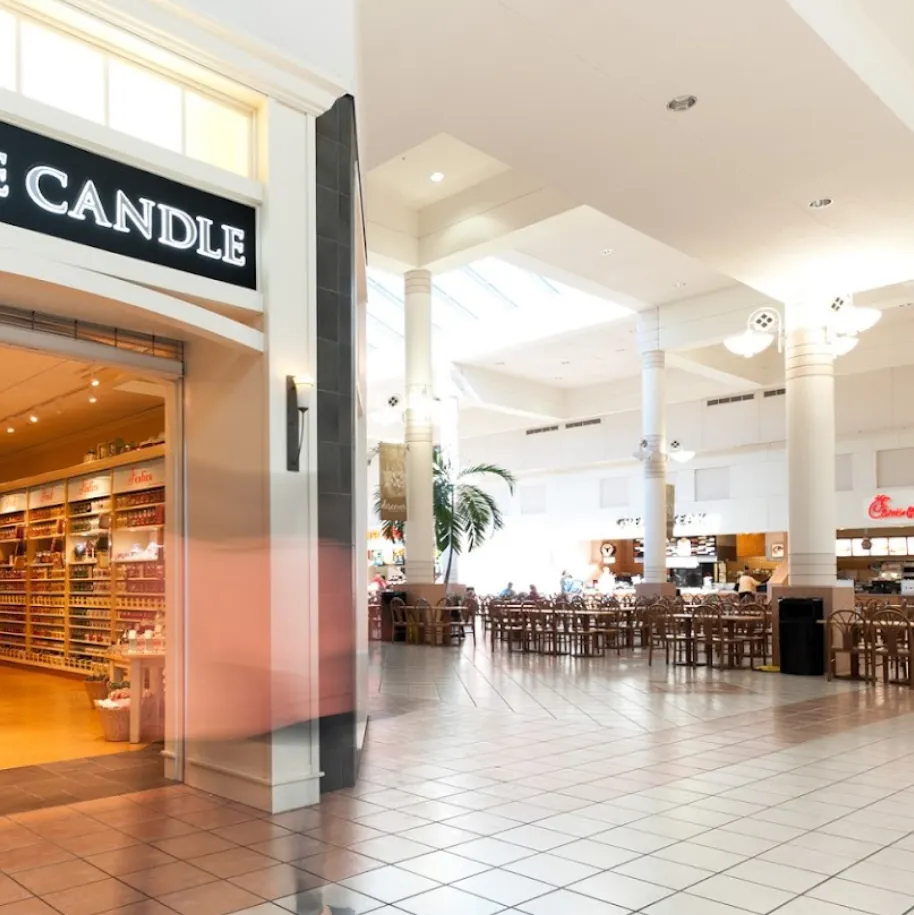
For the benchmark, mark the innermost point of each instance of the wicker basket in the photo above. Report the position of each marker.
(96, 689)
(115, 723)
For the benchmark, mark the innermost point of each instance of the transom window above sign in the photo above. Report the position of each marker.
(59, 69)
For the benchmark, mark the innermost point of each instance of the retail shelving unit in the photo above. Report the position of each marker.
(82, 561)
(139, 559)
(13, 577)
(88, 568)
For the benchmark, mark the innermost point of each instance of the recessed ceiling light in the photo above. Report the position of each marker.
(33, 418)
(607, 252)
(682, 102)
(95, 382)
(10, 429)
(821, 203)
(93, 400)
(437, 177)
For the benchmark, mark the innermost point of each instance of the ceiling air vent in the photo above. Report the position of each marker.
(738, 398)
(777, 392)
(542, 429)
(579, 424)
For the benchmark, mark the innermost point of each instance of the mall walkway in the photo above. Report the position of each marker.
(528, 784)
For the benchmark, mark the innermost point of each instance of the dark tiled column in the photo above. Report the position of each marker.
(336, 353)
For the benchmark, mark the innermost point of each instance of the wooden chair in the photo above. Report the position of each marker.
(399, 620)
(515, 629)
(891, 642)
(672, 634)
(846, 633)
(468, 611)
(705, 633)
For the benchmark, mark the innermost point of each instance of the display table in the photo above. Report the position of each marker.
(135, 664)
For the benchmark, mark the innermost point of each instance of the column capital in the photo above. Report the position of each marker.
(649, 331)
(808, 352)
(417, 282)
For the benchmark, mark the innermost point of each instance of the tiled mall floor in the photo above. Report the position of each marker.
(528, 785)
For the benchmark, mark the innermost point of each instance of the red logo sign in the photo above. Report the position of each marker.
(139, 475)
(881, 509)
(88, 486)
(48, 494)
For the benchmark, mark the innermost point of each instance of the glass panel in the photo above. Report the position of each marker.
(143, 104)
(62, 72)
(7, 51)
(217, 134)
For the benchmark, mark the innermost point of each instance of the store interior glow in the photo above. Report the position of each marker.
(845, 322)
(34, 413)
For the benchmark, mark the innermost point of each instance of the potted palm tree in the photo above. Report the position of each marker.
(465, 514)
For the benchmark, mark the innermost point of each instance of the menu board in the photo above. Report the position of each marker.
(704, 549)
(898, 546)
(860, 546)
(875, 547)
(880, 546)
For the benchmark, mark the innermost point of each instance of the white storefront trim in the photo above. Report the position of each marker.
(154, 312)
(238, 57)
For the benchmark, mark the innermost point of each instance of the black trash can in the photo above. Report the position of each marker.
(802, 636)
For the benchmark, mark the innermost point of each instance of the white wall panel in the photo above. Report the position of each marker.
(863, 402)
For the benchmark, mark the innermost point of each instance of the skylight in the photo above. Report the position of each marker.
(480, 308)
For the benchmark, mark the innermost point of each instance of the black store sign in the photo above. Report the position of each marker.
(60, 190)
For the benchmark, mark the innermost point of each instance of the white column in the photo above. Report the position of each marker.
(810, 369)
(448, 432)
(420, 526)
(653, 433)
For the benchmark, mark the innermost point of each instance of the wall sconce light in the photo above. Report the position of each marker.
(298, 402)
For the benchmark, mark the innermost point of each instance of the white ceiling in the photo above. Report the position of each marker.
(592, 356)
(798, 100)
(407, 176)
(636, 269)
(563, 92)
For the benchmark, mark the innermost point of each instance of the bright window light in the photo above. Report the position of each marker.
(217, 134)
(144, 105)
(7, 51)
(62, 72)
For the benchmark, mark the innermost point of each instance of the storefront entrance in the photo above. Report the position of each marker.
(86, 515)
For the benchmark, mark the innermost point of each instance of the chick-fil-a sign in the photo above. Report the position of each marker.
(882, 509)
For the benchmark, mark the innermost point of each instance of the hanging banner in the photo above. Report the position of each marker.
(670, 510)
(392, 462)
